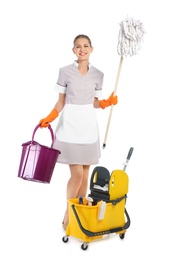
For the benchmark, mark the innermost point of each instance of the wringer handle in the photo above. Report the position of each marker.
(50, 129)
(128, 158)
(130, 153)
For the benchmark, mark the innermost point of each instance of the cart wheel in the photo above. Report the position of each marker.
(65, 239)
(84, 246)
(122, 235)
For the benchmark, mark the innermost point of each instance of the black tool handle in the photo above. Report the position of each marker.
(104, 146)
(130, 153)
(103, 232)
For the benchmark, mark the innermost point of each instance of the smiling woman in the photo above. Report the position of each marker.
(82, 48)
(76, 136)
(36, 40)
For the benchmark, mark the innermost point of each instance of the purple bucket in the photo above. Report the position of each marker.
(38, 161)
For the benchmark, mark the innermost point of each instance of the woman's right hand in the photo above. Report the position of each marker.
(45, 121)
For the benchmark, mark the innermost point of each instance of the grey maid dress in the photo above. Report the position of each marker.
(76, 134)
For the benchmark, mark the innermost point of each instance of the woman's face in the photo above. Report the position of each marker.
(82, 49)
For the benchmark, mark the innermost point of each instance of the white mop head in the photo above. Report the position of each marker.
(130, 37)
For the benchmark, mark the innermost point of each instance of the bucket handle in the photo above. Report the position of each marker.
(103, 232)
(50, 129)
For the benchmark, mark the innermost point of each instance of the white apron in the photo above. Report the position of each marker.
(77, 124)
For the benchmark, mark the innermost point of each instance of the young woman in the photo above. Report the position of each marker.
(76, 135)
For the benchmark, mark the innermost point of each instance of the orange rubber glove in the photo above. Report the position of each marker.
(112, 100)
(45, 121)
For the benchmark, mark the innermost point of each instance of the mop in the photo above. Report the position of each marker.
(130, 39)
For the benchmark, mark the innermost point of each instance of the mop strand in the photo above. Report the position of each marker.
(130, 37)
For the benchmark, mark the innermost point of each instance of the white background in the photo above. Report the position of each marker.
(36, 40)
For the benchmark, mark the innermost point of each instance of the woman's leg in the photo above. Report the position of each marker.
(76, 186)
(84, 184)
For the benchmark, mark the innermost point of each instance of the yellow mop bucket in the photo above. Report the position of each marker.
(84, 222)
(107, 213)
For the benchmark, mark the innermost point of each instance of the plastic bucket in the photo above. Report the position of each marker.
(88, 215)
(38, 161)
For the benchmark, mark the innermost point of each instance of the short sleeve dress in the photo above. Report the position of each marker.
(77, 134)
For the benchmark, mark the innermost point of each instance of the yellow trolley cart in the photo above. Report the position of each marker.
(107, 214)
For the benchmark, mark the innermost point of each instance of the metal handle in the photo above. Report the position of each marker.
(130, 153)
(111, 108)
(128, 158)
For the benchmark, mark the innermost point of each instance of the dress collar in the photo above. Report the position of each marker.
(76, 64)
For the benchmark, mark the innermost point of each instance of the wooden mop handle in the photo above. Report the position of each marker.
(111, 109)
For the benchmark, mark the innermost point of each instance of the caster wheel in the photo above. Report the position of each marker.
(65, 239)
(84, 246)
(122, 235)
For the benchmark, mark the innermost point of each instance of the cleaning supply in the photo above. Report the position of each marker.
(101, 210)
(89, 201)
(80, 200)
(130, 37)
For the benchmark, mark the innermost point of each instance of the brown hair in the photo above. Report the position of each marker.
(82, 36)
